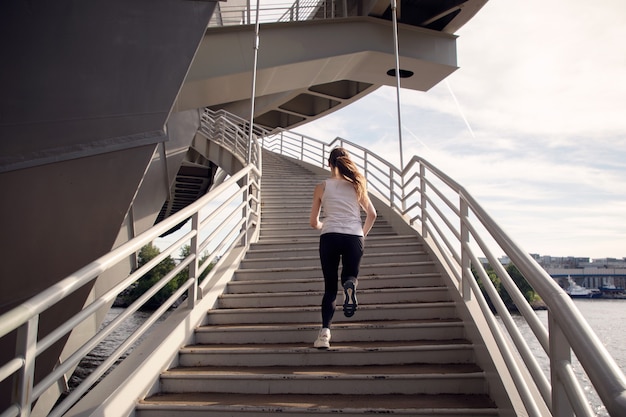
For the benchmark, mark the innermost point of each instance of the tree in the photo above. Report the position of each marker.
(529, 293)
(143, 284)
(494, 280)
(150, 278)
(184, 274)
(519, 280)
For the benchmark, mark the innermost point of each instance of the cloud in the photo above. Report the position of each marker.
(551, 68)
(541, 86)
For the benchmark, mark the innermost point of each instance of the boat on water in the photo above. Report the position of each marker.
(578, 291)
(610, 290)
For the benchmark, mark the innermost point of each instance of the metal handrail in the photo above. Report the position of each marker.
(229, 225)
(434, 203)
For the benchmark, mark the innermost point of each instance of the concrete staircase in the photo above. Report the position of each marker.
(402, 353)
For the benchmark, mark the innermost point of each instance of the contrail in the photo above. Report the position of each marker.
(417, 138)
(458, 106)
(405, 128)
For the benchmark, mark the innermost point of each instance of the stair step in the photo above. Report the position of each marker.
(300, 204)
(313, 259)
(299, 196)
(240, 405)
(273, 177)
(409, 311)
(306, 230)
(312, 250)
(356, 380)
(281, 187)
(314, 272)
(361, 331)
(288, 243)
(313, 298)
(365, 283)
(340, 354)
(291, 214)
(302, 220)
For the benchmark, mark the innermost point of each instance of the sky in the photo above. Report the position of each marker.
(532, 124)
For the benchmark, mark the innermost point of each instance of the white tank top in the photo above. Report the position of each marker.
(342, 212)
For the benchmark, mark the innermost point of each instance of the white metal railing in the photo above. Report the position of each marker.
(452, 220)
(244, 13)
(231, 132)
(224, 218)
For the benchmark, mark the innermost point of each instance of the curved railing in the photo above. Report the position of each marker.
(280, 11)
(225, 218)
(452, 221)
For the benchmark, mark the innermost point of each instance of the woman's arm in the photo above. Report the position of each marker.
(371, 214)
(317, 206)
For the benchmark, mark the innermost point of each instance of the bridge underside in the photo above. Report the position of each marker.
(329, 65)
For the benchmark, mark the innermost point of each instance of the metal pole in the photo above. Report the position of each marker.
(253, 94)
(397, 53)
(250, 132)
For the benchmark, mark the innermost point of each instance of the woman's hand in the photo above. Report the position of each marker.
(367, 205)
(316, 206)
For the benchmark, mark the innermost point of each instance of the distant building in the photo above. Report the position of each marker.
(591, 274)
(547, 261)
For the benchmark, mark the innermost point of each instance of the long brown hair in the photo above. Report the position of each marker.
(340, 158)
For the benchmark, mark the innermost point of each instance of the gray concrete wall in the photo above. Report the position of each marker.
(83, 77)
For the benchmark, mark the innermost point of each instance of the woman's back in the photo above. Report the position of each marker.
(342, 212)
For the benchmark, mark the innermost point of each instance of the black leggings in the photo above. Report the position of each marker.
(333, 248)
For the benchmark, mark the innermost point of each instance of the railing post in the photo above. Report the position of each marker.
(236, 141)
(192, 292)
(560, 351)
(392, 194)
(365, 166)
(27, 345)
(423, 199)
(465, 258)
(403, 195)
(246, 207)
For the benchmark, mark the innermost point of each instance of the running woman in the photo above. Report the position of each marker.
(342, 235)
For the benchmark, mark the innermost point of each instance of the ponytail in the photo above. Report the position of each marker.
(340, 159)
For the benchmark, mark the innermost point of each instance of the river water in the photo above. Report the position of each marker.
(606, 317)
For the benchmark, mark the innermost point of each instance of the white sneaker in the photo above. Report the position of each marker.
(323, 339)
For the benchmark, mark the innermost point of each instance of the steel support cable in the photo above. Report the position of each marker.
(255, 46)
(397, 56)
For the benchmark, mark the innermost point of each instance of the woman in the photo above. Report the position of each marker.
(342, 234)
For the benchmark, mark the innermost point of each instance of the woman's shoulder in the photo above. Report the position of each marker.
(338, 180)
